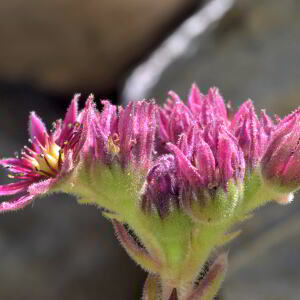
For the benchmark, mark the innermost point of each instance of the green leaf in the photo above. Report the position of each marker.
(209, 286)
(152, 288)
(138, 254)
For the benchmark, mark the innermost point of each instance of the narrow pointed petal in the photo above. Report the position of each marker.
(230, 157)
(71, 115)
(143, 133)
(174, 97)
(195, 97)
(16, 204)
(250, 135)
(136, 128)
(14, 188)
(217, 102)
(104, 130)
(205, 162)
(37, 129)
(41, 187)
(125, 129)
(86, 139)
(266, 123)
(16, 165)
(108, 118)
(163, 120)
(70, 119)
(240, 115)
(197, 102)
(180, 121)
(185, 167)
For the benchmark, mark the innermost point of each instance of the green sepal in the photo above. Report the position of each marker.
(215, 207)
(152, 289)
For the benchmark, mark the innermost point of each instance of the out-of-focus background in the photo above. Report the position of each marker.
(128, 50)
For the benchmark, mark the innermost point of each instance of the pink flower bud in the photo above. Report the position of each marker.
(174, 120)
(252, 134)
(207, 107)
(136, 132)
(281, 162)
(161, 190)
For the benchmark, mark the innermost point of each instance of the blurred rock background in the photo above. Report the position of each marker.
(73, 45)
(51, 49)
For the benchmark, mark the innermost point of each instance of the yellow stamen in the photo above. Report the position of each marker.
(49, 161)
(113, 147)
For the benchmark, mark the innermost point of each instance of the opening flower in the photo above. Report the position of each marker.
(41, 165)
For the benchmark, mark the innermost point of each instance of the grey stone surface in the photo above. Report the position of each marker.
(253, 52)
(79, 45)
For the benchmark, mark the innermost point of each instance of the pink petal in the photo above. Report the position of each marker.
(174, 97)
(108, 118)
(266, 123)
(37, 130)
(163, 120)
(195, 97)
(185, 166)
(217, 102)
(100, 143)
(125, 129)
(70, 119)
(16, 204)
(241, 114)
(14, 188)
(144, 132)
(205, 161)
(16, 165)
(88, 116)
(181, 119)
(41, 187)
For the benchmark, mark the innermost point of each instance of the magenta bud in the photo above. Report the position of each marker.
(161, 190)
(207, 107)
(132, 134)
(230, 157)
(122, 136)
(216, 158)
(105, 134)
(281, 162)
(212, 177)
(174, 120)
(252, 134)
(205, 163)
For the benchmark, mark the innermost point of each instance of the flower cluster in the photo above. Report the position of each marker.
(187, 155)
(176, 177)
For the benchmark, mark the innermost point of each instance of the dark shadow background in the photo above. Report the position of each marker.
(57, 249)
